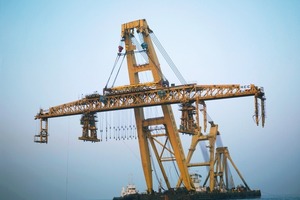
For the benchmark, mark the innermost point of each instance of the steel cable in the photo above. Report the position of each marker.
(116, 61)
(167, 58)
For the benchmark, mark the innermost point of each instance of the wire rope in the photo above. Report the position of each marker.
(167, 58)
(140, 50)
(176, 170)
(67, 175)
(118, 70)
(154, 169)
(116, 61)
(146, 56)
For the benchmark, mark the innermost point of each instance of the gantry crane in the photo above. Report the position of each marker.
(138, 95)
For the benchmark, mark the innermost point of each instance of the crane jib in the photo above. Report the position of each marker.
(118, 100)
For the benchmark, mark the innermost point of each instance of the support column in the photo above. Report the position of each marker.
(212, 140)
(144, 148)
(175, 141)
(42, 137)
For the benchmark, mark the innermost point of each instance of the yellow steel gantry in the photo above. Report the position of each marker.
(139, 95)
(145, 97)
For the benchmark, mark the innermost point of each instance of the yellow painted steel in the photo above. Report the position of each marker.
(127, 31)
(169, 121)
(151, 97)
(221, 168)
(139, 95)
(212, 141)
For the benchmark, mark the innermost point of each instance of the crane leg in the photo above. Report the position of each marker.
(42, 137)
(144, 149)
(256, 111)
(177, 146)
(263, 114)
(212, 140)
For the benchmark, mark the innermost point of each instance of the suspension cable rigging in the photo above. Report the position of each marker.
(118, 70)
(116, 61)
(146, 56)
(155, 172)
(167, 58)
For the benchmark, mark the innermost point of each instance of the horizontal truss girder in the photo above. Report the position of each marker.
(150, 97)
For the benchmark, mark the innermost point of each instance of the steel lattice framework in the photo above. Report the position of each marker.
(151, 97)
(139, 95)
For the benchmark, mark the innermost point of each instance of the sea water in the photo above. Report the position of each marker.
(279, 197)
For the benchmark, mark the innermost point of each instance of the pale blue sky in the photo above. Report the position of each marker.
(51, 52)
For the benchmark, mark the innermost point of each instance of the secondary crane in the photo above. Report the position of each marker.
(138, 95)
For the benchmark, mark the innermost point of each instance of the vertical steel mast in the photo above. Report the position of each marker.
(167, 120)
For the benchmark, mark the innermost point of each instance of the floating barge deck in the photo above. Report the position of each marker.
(185, 195)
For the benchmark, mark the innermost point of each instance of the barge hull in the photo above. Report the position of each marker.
(193, 195)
